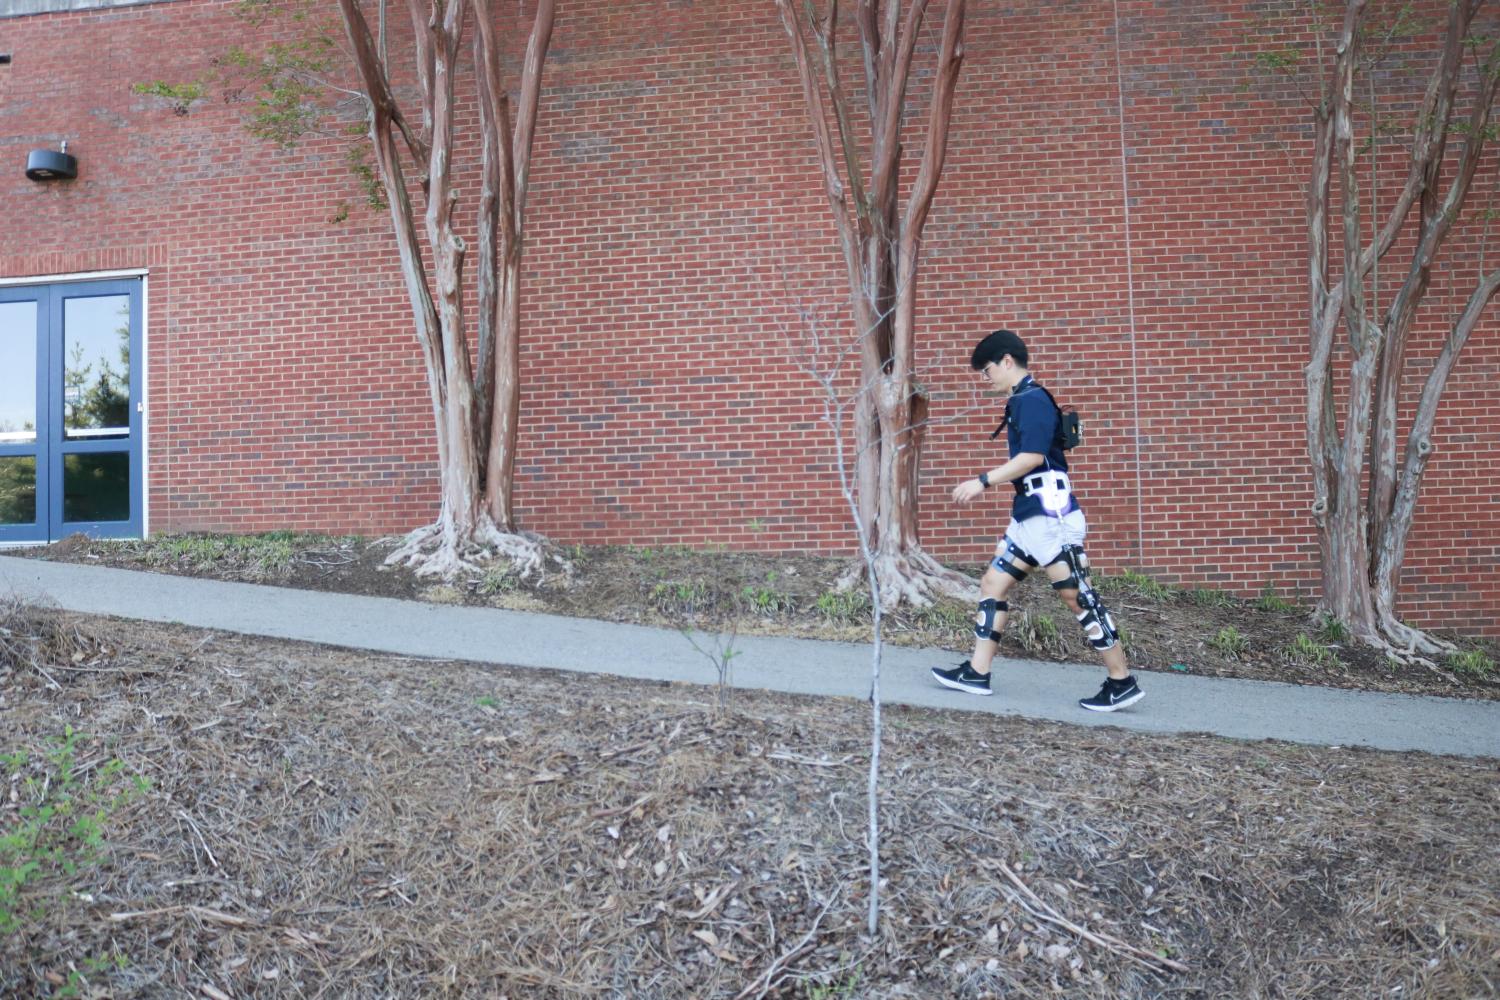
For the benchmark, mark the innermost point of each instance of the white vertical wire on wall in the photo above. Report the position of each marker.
(1135, 394)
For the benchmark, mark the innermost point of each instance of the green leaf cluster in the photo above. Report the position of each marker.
(57, 833)
(181, 95)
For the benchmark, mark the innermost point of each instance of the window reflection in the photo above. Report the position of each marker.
(96, 367)
(96, 487)
(18, 489)
(17, 372)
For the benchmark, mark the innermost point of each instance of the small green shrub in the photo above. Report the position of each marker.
(1144, 585)
(1472, 662)
(1268, 601)
(719, 650)
(194, 549)
(1305, 649)
(945, 616)
(58, 831)
(498, 580)
(268, 554)
(844, 607)
(1331, 630)
(1038, 634)
(272, 554)
(1230, 642)
(1209, 598)
(835, 990)
(682, 598)
(766, 601)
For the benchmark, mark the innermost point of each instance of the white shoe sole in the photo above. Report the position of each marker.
(1117, 705)
(955, 685)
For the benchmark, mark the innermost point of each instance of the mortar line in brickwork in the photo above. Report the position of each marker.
(1135, 394)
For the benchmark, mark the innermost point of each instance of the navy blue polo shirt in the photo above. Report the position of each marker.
(1031, 425)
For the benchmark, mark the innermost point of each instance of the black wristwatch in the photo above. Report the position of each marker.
(984, 480)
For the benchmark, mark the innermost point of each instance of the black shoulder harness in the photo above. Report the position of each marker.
(1069, 426)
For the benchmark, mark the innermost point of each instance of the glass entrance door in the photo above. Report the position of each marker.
(70, 411)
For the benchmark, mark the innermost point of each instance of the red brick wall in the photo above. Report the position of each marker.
(675, 215)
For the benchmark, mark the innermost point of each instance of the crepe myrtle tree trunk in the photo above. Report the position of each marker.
(1364, 515)
(476, 416)
(880, 241)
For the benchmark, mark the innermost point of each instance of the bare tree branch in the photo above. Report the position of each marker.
(1439, 214)
(833, 184)
(934, 154)
(825, 31)
(388, 161)
(497, 183)
(516, 176)
(421, 19)
(531, 92)
(1391, 546)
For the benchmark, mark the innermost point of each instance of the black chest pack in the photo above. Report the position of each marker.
(1069, 433)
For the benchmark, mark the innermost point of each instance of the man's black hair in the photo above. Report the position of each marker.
(996, 346)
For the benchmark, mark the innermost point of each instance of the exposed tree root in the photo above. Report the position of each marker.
(434, 551)
(1411, 645)
(1396, 639)
(913, 578)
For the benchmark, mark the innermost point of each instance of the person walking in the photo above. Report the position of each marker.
(1047, 529)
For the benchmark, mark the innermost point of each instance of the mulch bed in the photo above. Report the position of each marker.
(325, 823)
(791, 594)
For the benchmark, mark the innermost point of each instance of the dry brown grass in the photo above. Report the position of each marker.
(33, 636)
(323, 823)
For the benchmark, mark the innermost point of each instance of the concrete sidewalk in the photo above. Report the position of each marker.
(1174, 703)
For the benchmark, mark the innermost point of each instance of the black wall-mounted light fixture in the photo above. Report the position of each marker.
(51, 165)
(4, 58)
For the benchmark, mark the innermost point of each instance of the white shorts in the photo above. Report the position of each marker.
(1042, 538)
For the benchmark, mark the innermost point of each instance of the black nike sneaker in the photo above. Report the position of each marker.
(1113, 696)
(963, 678)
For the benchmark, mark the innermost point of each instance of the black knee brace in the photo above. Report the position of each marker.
(984, 625)
(1078, 569)
(1009, 568)
(1097, 623)
(1005, 564)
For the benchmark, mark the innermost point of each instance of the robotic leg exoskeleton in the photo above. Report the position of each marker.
(1097, 623)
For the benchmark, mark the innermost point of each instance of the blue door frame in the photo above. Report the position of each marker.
(67, 458)
(15, 490)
